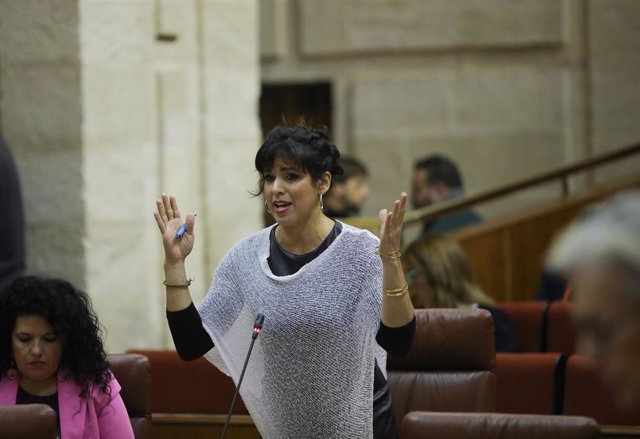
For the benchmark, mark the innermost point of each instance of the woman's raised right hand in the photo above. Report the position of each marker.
(169, 221)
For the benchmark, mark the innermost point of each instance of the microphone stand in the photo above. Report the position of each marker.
(257, 328)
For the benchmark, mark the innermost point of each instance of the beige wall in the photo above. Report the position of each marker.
(507, 89)
(102, 116)
(614, 65)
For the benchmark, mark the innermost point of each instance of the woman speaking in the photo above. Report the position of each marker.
(334, 298)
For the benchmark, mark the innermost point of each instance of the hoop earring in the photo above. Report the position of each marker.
(266, 206)
(321, 205)
(12, 372)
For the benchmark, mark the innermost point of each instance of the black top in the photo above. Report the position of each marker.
(24, 397)
(283, 263)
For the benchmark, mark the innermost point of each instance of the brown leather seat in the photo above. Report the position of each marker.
(450, 366)
(29, 421)
(530, 383)
(586, 394)
(133, 372)
(197, 386)
(529, 323)
(561, 331)
(424, 425)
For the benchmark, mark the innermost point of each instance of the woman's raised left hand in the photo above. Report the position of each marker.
(391, 226)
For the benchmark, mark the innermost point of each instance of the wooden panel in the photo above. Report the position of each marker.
(202, 431)
(487, 252)
(196, 426)
(507, 254)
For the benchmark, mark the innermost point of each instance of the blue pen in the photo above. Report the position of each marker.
(183, 229)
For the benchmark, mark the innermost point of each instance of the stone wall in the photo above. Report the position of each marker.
(108, 103)
(41, 120)
(614, 65)
(506, 88)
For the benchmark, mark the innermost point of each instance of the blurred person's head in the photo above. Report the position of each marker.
(348, 191)
(600, 253)
(47, 326)
(435, 178)
(438, 274)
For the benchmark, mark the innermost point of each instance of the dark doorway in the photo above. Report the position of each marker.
(286, 103)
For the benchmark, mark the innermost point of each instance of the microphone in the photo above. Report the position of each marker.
(257, 328)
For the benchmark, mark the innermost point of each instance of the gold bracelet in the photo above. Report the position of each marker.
(395, 254)
(178, 285)
(396, 292)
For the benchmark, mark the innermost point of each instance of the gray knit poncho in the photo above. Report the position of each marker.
(311, 370)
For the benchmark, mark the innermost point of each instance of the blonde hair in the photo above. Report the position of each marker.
(446, 268)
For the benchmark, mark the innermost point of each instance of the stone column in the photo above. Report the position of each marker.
(41, 119)
(105, 104)
(231, 89)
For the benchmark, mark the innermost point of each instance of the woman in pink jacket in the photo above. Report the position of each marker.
(51, 353)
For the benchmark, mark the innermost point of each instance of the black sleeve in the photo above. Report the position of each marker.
(189, 336)
(396, 341)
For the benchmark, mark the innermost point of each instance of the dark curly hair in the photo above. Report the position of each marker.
(68, 310)
(309, 148)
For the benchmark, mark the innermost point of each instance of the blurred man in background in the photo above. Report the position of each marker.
(436, 179)
(601, 255)
(349, 191)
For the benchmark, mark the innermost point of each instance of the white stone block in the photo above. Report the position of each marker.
(508, 100)
(39, 31)
(231, 34)
(52, 185)
(116, 182)
(462, 101)
(41, 106)
(176, 33)
(400, 105)
(119, 103)
(338, 27)
(232, 98)
(56, 249)
(129, 304)
(232, 212)
(615, 70)
(116, 31)
(615, 82)
(274, 30)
